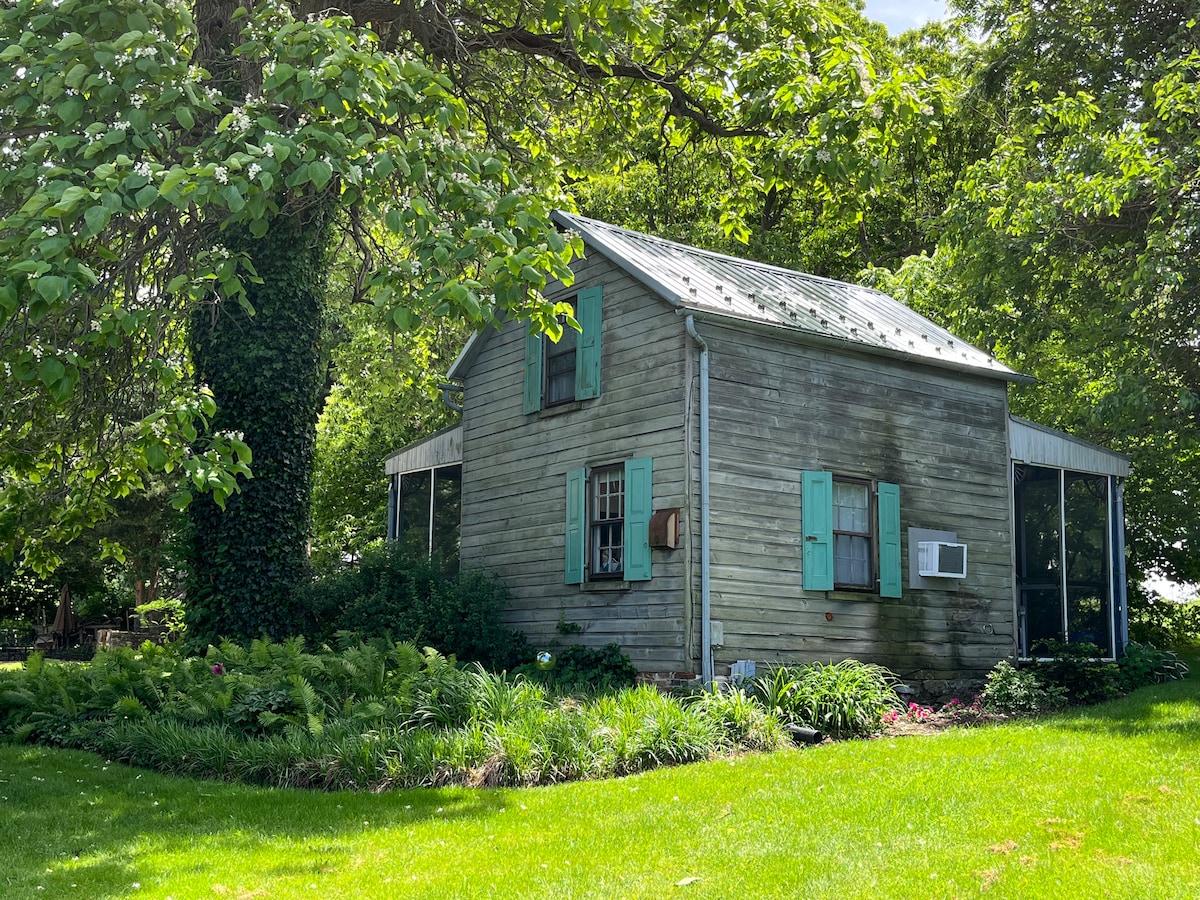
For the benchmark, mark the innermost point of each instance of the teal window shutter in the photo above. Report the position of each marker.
(890, 582)
(639, 484)
(576, 526)
(533, 373)
(817, 511)
(588, 307)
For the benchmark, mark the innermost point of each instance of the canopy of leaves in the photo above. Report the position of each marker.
(125, 165)
(1071, 248)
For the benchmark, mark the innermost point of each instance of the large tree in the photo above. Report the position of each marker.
(1071, 248)
(172, 167)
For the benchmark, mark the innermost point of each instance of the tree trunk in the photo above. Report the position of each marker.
(246, 561)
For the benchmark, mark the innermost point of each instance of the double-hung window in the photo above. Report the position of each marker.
(558, 372)
(850, 542)
(608, 522)
(853, 536)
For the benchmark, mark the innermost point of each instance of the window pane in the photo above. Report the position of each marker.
(447, 503)
(851, 507)
(852, 560)
(610, 495)
(607, 550)
(413, 531)
(1089, 611)
(1039, 525)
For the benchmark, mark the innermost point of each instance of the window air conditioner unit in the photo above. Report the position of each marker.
(938, 559)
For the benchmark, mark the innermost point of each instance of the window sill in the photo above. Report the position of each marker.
(846, 594)
(605, 586)
(559, 408)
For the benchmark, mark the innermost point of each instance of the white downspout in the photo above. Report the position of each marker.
(706, 660)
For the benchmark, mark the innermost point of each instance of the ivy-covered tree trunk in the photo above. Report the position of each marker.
(246, 560)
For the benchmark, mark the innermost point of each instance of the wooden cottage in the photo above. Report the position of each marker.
(736, 465)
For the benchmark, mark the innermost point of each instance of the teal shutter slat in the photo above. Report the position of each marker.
(533, 373)
(639, 485)
(817, 511)
(576, 490)
(890, 582)
(588, 307)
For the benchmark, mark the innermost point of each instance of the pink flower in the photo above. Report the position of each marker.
(218, 669)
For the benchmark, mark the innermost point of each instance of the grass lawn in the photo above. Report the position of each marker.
(1100, 802)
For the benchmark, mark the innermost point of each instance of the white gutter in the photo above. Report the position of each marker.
(706, 660)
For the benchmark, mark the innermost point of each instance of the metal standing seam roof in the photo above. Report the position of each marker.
(716, 284)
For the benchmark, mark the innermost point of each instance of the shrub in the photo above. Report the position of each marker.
(1076, 668)
(581, 668)
(1014, 690)
(1145, 664)
(1166, 623)
(389, 595)
(845, 699)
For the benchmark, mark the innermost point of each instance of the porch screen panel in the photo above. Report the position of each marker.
(1039, 548)
(1089, 600)
(447, 515)
(413, 528)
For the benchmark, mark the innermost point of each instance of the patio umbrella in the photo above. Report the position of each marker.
(64, 617)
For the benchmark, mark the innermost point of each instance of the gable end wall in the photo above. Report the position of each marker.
(779, 408)
(514, 473)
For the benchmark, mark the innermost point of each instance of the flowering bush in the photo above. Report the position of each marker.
(959, 711)
(915, 713)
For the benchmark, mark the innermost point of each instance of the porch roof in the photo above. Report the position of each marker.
(1040, 445)
(442, 448)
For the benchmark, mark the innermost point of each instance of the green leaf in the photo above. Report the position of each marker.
(320, 173)
(183, 115)
(174, 177)
(96, 219)
(156, 457)
(75, 75)
(233, 198)
(145, 197)
(51, 371)
(53, 287)
(69, 110)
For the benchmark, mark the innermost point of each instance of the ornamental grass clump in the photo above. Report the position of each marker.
(845, 699)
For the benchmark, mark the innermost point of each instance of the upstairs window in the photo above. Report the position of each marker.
(569, 369)
(559, 366)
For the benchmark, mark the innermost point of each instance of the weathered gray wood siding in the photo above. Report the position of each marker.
(779, 408)
(515, 466)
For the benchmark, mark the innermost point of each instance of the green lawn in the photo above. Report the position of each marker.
(1102, 802)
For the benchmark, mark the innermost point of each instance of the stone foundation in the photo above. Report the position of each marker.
(670, 681)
